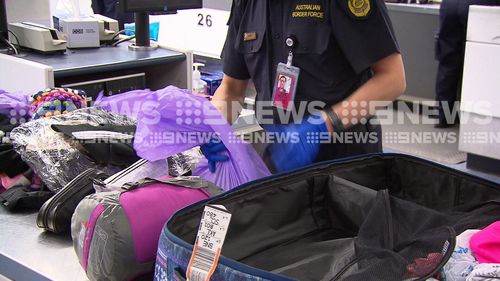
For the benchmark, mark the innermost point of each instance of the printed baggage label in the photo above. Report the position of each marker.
(207, 248)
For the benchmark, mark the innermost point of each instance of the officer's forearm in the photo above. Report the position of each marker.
(229, 97)
(387, 83)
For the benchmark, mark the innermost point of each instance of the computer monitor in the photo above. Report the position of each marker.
(4, 33)
(142, 9)
(160, 5)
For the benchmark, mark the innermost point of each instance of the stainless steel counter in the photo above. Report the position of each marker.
(28, 253)
(97, 60)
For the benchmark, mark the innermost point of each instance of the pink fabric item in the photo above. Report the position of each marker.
(99, 209)
(148, 208)
(10, 182)
(486, 244)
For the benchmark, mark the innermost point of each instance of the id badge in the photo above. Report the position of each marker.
(285, 86)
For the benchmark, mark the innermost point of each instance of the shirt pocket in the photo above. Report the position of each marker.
(313, 37)
(252, 29)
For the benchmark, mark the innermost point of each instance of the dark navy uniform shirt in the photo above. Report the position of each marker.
(337, 42)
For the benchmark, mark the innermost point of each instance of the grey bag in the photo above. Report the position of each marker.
(115, 234)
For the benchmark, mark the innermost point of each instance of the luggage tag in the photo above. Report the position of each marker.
(209, 240)
(287, 76)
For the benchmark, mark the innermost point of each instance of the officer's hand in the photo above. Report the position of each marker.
(301, 149)
(214, 151)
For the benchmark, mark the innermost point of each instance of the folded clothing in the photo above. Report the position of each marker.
(485, 272)
(56, 101)
(486, 244)
(10, 161)
(24, 198)
(19, 180)
(56, 158)
(462, 261)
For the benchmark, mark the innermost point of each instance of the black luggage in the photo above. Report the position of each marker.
(378, 217)
(55, 214)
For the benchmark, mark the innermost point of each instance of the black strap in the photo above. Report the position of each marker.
(192, 182)
(334, 118)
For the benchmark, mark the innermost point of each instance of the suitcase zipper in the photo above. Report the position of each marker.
(62, 194)
(120, 175)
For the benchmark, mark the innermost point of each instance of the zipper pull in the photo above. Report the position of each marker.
(99, 183)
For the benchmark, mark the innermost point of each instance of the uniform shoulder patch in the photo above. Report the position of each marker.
(359, 8)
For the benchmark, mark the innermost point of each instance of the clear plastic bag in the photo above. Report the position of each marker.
(137, 171)
(55, 158)
(175, 166)
(184, 163)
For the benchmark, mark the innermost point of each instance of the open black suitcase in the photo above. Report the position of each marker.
(377, 217)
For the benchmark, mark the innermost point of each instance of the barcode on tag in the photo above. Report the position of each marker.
(207, 248)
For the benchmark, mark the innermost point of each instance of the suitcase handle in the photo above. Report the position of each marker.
(178, 275)
(193, 182)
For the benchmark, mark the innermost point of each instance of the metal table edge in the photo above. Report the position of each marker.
(68, 72)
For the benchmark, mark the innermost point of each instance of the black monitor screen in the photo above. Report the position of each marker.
(160, 5)
(3, 23)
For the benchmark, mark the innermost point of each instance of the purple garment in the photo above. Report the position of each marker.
(129, 103)
(14, 105)
(178, 121)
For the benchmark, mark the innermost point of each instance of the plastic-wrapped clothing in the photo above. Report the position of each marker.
(179, 121)
(106, 144)
(462, 261)
(55, 158)
(485, 272)
(183, 164)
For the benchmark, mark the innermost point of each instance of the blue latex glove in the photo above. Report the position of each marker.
(292, 155)
(213, 151)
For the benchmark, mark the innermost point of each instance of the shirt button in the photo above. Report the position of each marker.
(277, 35)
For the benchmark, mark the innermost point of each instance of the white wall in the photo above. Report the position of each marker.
(28, 10)
(183, 30)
